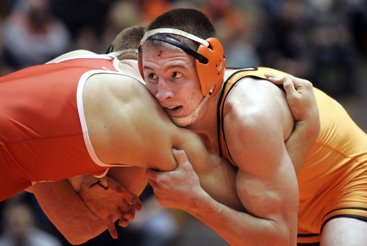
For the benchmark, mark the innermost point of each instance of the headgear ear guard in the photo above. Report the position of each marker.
(210, 61)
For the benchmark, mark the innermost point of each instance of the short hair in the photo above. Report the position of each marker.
(186, 19)
(129, 38)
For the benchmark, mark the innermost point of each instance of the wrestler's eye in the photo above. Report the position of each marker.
(177, 75)
(152, 77)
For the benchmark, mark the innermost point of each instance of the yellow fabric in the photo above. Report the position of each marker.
(333, 180)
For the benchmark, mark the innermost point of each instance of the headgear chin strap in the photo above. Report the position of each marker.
(210, 61)
(187, 120)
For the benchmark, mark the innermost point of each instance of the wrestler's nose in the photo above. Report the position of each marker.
(164, 91)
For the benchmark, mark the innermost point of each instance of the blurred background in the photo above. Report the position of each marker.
(324, 41)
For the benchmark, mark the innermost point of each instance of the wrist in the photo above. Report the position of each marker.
(308, 127)
(202, 202)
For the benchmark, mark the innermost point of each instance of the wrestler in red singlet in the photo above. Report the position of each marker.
(41, 137)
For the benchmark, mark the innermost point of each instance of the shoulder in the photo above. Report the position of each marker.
(71, 54)
(253, 100)
(254, 111)
(109, 86)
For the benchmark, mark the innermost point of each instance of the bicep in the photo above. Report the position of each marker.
(269, 192)
(267, 188)
(266, 183)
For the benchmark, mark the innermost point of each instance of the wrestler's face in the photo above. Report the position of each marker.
(171, 77)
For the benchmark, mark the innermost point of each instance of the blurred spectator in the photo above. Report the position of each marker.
(240, 54)
(3, 12)
(333, 54)
(150, 9)
(19, 228)
(319, 49)
(227, 19)
(284, 43)
(357, 16)
(121, 14)
(85, 19)
(32, 35)
(237, 31)
(273, 8)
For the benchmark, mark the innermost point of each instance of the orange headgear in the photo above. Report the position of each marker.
(210, 61)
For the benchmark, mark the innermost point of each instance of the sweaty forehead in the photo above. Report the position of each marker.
(169, 52)
(154, 46)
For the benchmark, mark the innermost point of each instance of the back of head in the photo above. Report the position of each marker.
(129, 38)
(128, 41)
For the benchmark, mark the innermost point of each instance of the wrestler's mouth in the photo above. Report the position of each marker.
(174, 110)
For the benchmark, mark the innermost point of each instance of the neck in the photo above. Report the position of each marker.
(130, 66)
(206, 125)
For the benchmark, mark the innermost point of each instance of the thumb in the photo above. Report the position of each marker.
(180, 156)
(276, 79)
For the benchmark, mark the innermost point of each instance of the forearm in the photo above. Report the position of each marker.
(303, 104)
(238, 228)
(301, 141)
(210, 195)
(67, 211)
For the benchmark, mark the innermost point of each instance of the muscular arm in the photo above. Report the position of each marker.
(218, 206)
(216, 176)
(73, 217)
(265, 183)
(145, 139)
(129, 138)
(67, 211)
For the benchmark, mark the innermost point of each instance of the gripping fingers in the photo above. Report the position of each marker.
(129, 215)
(130, 197)
(111, 227)
(289, 83)
(276, 79)
(133, 200)
(179, 155)
(123, 223)
(126, 218)
(137, 203)
(289, 86)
